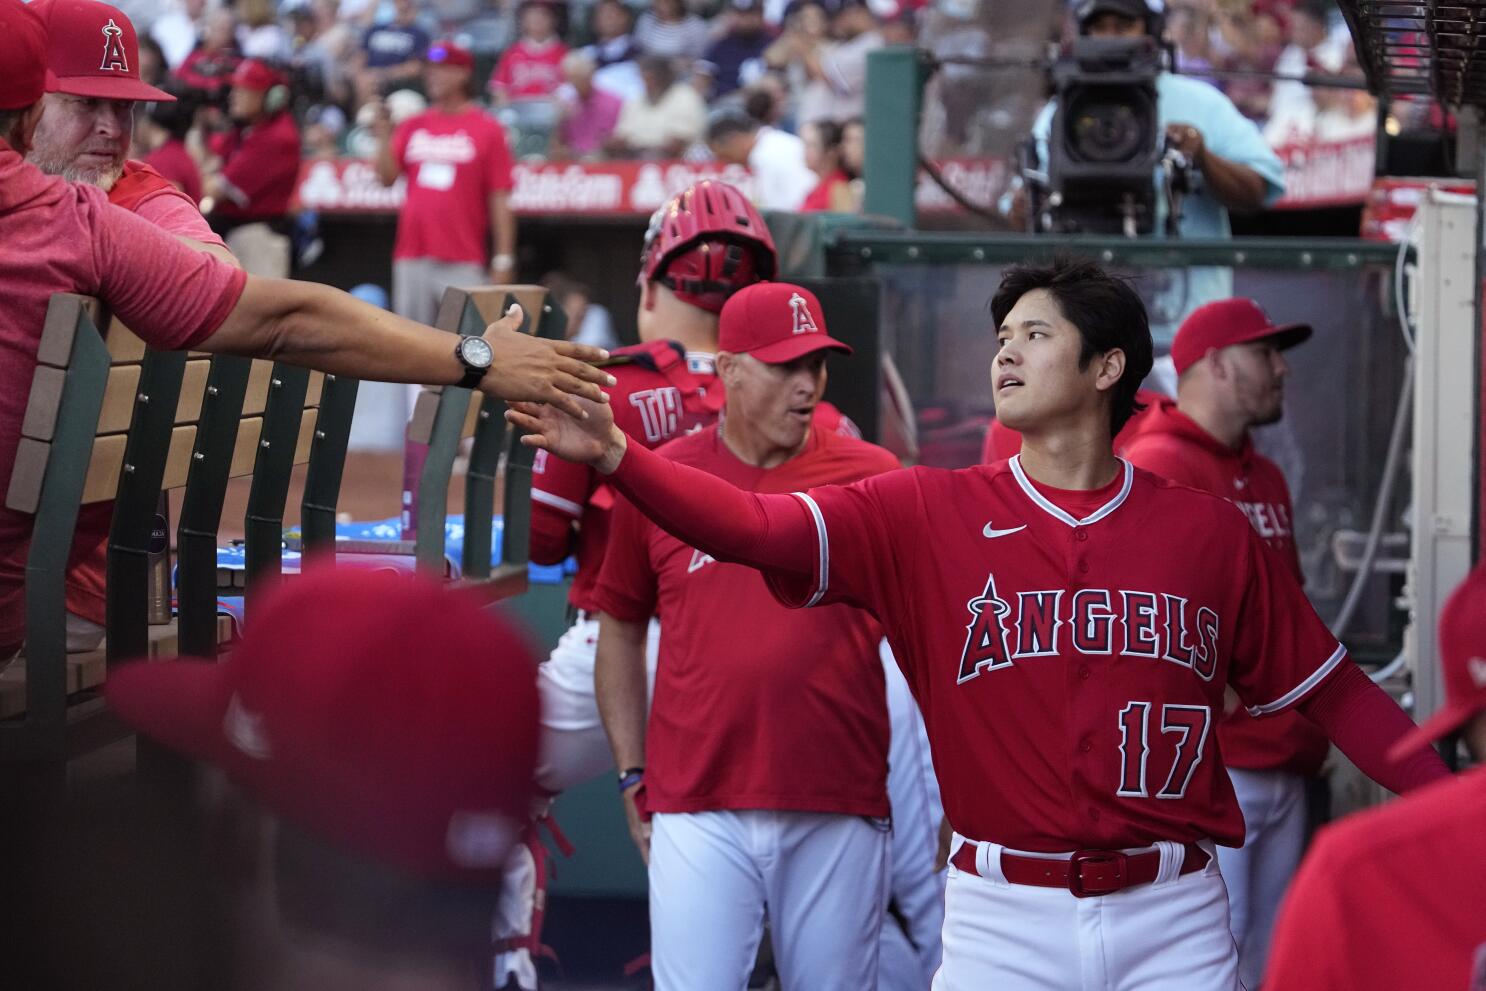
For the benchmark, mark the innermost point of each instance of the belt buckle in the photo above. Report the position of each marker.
(1076, 883)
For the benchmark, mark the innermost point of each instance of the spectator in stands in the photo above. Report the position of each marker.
(663, 121)
(207, 71)
(837, 75)
(1312, 49)
(152, 66)
(854, 158)
(381, 797)
(532, 67)
(806, 34)
(257, 165)
(669, 30)
(823, 156)
(589, 113)
(614, 50)
(391, 54)
(160, 135)
(259, 34)
(177, 30)
(738, 56)
(781, 179)
(1189, 25)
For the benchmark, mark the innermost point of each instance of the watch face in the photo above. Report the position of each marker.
(476, 352)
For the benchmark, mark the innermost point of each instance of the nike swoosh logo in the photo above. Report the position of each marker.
(991, 531)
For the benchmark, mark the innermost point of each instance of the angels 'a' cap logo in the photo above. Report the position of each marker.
(113, 48)
(804, 323)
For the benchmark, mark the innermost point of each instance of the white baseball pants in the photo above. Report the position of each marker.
(1171, 935)
(820, 880)
(1257, 874)
(908, 959)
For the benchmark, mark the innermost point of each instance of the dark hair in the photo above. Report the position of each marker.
(8, 119)
(176, 118)
(1106, 311)
(830, 134)
(728, 123)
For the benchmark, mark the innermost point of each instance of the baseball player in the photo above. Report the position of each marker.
(1391, 898)
(1231, 378)
(84, 134)
(1068, 624)
(765, 754)
(706, 243)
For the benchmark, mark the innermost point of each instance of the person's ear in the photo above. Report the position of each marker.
(1111, 369)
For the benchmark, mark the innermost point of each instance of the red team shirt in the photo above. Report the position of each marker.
(1173, 446)
(1053, 665)
(732, 659)
(453, 163)
(1391, 899)
(262, 162)
(57, 236)
(660, 392)
(529, 70)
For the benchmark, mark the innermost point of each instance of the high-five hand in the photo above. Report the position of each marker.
(592, 439)
(526, 368)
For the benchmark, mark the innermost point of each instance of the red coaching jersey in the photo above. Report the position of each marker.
(57, 236)
(262, 164)
(453, 162)
(661, 392)
(1071, 668)
(1173, 446)
(732, 660)
(1391, 898)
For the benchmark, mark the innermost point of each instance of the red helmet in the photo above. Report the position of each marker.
(706, 243)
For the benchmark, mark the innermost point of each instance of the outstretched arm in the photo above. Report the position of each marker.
(1364, 722)
(768, 532)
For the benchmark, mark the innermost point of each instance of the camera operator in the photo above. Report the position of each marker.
(1231, 166)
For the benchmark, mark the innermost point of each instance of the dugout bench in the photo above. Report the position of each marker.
(111, 419)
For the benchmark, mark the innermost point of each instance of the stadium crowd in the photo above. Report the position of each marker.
(774, 85)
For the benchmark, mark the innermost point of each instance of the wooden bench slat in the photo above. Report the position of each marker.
(123, 344)
(24, 494)
(315, 389)
(259, 378)
(107, 463)
(306, 436)
(40, 421)
(118, 399)
(193, 389)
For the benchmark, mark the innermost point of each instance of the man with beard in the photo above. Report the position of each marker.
(259, 166)
(87, 122)
(1231, 379)
(86, 126)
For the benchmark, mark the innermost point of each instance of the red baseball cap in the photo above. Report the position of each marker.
(92, 50)
(379, 712)
(446, 51)
(776, 322)
(23, 54)
(1225, 322)
(257, 75)
(1462, 647)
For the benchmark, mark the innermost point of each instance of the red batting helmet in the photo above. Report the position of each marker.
(706, 243)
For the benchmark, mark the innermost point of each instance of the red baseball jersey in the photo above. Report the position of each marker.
(661, 392)
(1173, 446)
(261, 163)
(453, 163)
(732, 659)
(1390, 898)
(528, 70)
(1069, 650)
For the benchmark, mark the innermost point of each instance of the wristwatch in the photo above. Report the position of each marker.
(475, 355)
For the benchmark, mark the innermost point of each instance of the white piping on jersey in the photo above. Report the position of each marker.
(1058, 514)
(824, 563)
(557, 502)
(1300, 690)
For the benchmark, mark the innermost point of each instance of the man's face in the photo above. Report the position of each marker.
(405, 11)
(1035, 379)
(610, 20)
(854, 147)
(443, 82)
(83, 138)
(777, 402)
(1306, 31)
(1112, 25)
(538, 22)
(732, 149)
(1255, 377)
(244, 105)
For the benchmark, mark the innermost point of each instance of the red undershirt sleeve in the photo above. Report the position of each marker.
(1363, 721)
(767, 532)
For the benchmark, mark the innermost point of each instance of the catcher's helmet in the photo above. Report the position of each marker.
(707, 242)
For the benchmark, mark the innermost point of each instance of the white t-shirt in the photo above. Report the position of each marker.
(781, 178)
